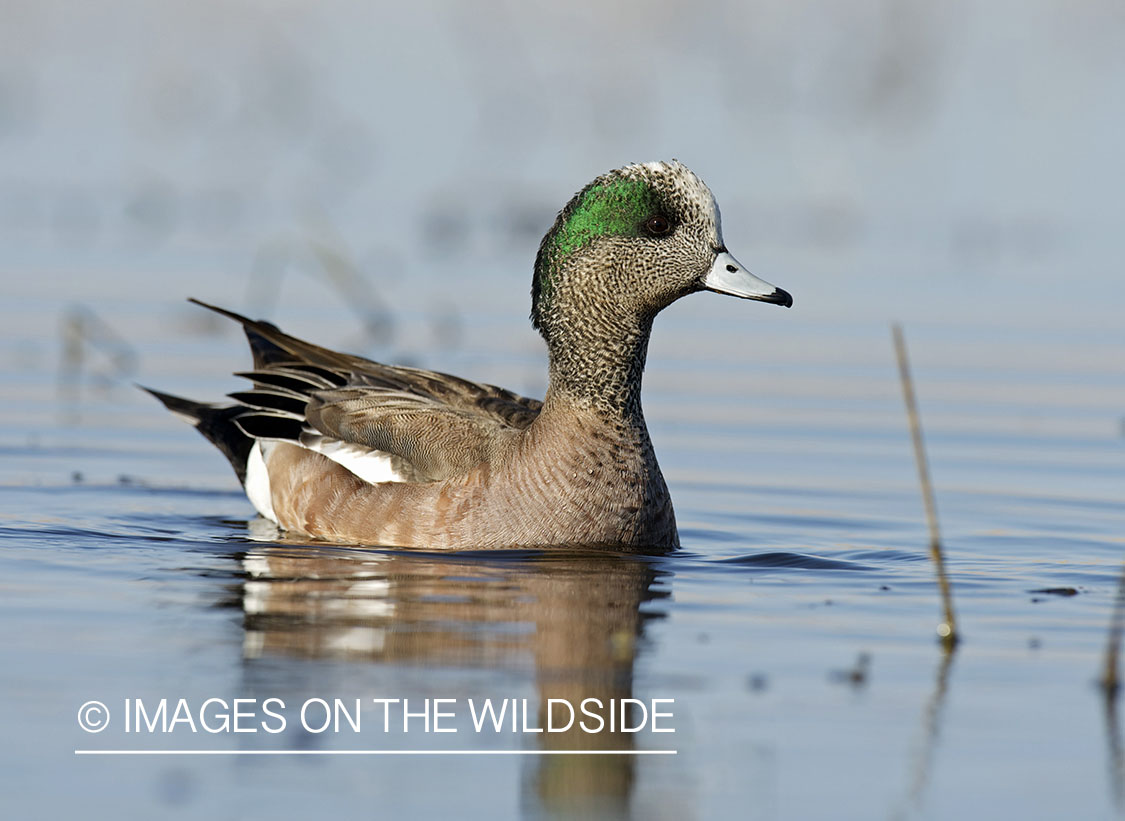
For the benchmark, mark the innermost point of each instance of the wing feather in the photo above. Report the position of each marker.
(430, 426)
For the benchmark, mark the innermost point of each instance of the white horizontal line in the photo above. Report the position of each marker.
(376, 752)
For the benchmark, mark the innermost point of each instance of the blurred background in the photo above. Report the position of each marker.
(377, 177)
(955, 163)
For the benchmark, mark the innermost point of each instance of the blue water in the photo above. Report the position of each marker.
(132, 569)
(314, 170)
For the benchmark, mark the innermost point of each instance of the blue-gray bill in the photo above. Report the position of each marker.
(729, 276)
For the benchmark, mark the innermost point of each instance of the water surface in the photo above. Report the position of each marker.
(794, 631)
(377, 179)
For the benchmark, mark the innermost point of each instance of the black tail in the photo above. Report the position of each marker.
(271, 346)
(265, 351)
(216, 424)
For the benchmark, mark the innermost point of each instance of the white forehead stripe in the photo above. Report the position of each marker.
(686, 184)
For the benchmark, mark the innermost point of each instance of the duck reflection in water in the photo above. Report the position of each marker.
(574, 618)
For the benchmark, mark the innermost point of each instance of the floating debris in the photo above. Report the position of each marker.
(857, 675)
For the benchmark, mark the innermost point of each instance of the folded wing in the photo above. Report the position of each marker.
(383, 423)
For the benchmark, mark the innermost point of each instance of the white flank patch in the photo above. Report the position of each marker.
(373, 466)
(257, 483)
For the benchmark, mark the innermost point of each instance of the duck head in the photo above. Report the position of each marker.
(632, 242)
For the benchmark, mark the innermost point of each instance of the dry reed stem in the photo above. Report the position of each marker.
(947, 630)
(1110, 680)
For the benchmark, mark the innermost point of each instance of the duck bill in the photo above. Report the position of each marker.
(729, 276)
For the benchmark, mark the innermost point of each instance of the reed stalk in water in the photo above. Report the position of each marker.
(1110, 680)
(947, 630)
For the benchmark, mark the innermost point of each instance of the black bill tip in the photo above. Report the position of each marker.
(779, 297)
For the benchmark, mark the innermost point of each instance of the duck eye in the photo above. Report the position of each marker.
(658, 226)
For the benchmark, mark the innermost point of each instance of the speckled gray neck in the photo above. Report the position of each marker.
(599, 361)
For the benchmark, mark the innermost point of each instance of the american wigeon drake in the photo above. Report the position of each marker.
(341, 448)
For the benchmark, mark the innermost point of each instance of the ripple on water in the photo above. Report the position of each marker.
(786, 559)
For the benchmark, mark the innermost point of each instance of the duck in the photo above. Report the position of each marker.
(343, 449)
